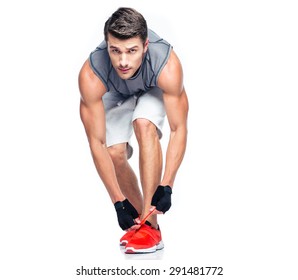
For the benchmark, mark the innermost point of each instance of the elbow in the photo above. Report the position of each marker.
(97, 145)
(180, 128)
(180, 132)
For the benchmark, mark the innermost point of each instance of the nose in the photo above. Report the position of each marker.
(123, 61)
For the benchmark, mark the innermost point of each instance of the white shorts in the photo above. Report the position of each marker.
(122, 110)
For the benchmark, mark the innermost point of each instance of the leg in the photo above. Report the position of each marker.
(125, 175)
(150, 162)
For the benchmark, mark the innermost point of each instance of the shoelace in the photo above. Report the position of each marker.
(145, 218)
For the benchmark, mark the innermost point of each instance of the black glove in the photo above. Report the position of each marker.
(162, 198)
(126, 214)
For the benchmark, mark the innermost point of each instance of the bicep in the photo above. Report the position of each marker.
(91, 105)
(175, 98)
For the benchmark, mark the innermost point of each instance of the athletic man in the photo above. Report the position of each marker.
(129, 83)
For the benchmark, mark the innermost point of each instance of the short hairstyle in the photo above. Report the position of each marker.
(126, 23)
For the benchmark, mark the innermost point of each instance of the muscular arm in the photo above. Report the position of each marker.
(93, 117)
(176, 105)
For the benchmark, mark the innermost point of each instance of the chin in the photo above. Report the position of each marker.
(124, 76)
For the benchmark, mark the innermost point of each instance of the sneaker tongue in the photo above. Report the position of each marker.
(148, 223)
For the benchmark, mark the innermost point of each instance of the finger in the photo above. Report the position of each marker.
(154, 211)
(138, 220)
(134, 227)
(152, 208)
(157, 212)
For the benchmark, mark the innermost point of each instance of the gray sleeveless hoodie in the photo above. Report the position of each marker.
(154, 60)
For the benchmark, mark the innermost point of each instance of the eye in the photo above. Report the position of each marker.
(116, 51)
(132, 51)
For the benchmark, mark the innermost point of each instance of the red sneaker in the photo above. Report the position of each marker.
(126, 237)
(145, 240)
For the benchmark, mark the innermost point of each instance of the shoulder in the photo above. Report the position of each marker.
(171, 76)
(157, 45)
(89, 84)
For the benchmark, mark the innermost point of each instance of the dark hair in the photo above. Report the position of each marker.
(126, 23)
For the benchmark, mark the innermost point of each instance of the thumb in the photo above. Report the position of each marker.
(154, 210)
(137, 220)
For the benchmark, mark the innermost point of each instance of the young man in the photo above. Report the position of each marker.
(130, 82)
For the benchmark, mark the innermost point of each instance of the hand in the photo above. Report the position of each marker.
(162, 199)
(128, 217)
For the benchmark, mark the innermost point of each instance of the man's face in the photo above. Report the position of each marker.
(126, 55)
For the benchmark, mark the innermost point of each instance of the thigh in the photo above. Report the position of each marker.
(150, 106)
(119, 111)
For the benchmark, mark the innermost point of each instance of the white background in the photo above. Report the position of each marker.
(234, 201)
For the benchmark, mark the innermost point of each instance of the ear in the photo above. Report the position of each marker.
(146, 45)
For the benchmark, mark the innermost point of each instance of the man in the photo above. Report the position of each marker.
(130, 82)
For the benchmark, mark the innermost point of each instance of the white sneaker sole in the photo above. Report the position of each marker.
(131, 250)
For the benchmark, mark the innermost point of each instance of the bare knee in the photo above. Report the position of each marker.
(118, 154)
(144, 128)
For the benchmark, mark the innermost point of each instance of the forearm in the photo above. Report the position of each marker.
(106, 170)
(174, 155)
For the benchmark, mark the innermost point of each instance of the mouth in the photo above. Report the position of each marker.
(123, 70)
